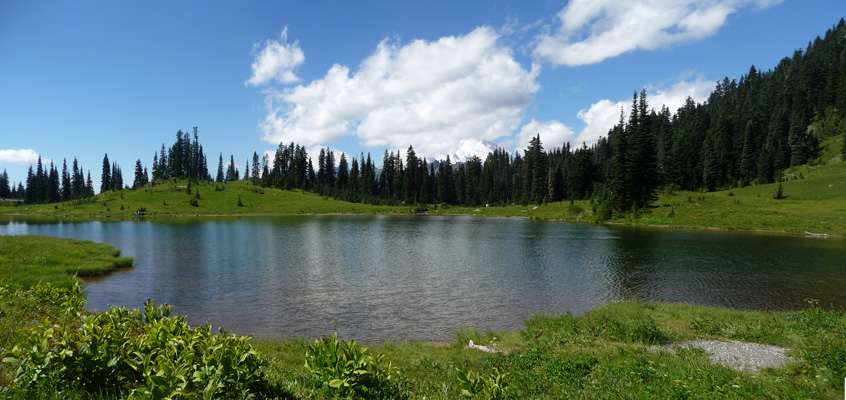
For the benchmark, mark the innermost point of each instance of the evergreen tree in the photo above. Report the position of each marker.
(230, 171)
(446, 185)
(620, 180)
(29, 196)
(219, 178)
(139, 175)
(106, 176)
(343, 172)
(66, 181)
(54, 194)
(5, 190)
(256, 167)
(40, 183)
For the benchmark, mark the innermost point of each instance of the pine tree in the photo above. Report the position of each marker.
(106, 177)
(343, 173)
(256, 167)
(66, 181)
(219, 178)
(620, 180)
(139, 175)
(5, 191)
(53, 191)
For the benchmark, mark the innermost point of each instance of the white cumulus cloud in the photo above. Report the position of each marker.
(429, 94)
(592, 30)
(23, 156)
(276, 61)
(601, 116)
(552, 134)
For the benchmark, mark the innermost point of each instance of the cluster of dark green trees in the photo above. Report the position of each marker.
(45, 184)
(184, 159)
(535, 177)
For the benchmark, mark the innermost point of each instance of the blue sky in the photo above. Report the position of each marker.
(81, 79)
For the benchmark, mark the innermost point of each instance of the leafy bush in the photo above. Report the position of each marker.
(472, 384)
(123, 351)
(346, 365)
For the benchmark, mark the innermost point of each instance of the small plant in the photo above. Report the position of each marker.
(472, 384)
(194, 202)
(779, 192)
(343, 365)
(240, 204)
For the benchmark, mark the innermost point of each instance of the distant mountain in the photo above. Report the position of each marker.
(470, 148)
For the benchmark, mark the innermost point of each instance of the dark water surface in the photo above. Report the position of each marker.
(377, 278)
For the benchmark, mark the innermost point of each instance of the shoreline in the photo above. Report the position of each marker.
(395, 213)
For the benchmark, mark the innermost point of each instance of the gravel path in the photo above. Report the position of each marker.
(740, 356)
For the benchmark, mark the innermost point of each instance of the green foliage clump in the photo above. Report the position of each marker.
(140, 355)
(345, 365)
(472, 384)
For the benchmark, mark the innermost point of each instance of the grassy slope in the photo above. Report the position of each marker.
(171, 198)
(814, 203)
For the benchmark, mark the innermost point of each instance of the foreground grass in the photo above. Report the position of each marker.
(606, 353)
(27, 260)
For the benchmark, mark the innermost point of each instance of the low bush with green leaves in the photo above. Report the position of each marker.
(345, 365)
(126, 352)
(473, 384)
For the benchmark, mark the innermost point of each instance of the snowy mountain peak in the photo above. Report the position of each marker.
(470, 148)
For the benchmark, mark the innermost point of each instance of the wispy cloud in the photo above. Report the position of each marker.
(591, 31)
(275, 61)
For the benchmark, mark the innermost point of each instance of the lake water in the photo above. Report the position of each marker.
(376, 278)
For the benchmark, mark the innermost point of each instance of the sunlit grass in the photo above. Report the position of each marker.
(28, 260)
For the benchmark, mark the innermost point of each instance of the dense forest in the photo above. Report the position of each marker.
(747, 132)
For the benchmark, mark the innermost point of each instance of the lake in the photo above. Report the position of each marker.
(376, 278)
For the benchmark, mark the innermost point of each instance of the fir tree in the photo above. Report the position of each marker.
(106, 177)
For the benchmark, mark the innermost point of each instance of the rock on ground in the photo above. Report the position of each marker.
(740, 356)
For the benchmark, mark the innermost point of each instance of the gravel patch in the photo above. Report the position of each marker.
(740, 356)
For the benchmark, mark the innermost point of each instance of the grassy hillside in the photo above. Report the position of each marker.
(172, 198)
(814, 202)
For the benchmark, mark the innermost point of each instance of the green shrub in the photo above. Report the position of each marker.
(125, 352)
(472, 384)
(345, 365)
